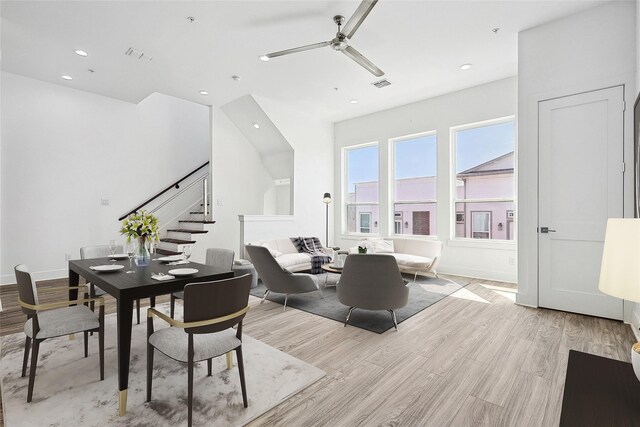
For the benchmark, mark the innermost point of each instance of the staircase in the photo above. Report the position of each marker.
(183, 211)
(186, 233)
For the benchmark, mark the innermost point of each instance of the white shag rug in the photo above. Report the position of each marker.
(68, 390)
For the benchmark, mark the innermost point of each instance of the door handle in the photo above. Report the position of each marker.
(546, 230)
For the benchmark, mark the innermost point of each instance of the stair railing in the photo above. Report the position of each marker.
(205, 197)
(176, 185)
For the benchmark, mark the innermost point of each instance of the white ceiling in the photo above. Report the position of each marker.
(419, 44)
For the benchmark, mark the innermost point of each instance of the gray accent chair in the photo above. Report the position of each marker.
(219, 258)
(211, 310)
(55, 319)
(102, 251)
(372, 282)
(276, 278)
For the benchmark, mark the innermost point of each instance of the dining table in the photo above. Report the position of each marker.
(128, 287)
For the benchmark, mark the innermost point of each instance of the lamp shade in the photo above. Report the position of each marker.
(620, 271)
(326, 198)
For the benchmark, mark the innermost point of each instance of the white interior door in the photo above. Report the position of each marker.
(580, 186)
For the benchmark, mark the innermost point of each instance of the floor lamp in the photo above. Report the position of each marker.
(620, 271)
(327, 199)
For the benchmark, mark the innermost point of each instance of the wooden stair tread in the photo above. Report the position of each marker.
(167, 252)
(178, 241)
(184, 230)
(196, 221)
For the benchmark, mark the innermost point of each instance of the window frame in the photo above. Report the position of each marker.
(453, 174)
(369, 227)
(392, 180)
(397, 221)
(489, 213)
(344, 204)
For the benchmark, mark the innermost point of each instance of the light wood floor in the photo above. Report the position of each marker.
(474, 358)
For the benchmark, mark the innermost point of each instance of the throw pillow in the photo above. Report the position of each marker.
(382, 246)
(274, 253)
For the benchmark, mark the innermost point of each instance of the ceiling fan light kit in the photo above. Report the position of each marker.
(340, 42)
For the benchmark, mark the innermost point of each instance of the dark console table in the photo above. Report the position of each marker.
(600, 392)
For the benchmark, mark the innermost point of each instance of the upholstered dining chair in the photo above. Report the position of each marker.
(55, 319)
(372, 282)
(277, 279)
(102, 251)
(211, 310)
(216, 257)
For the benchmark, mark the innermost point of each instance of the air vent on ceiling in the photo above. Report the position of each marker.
(135, 53)
(381, 83)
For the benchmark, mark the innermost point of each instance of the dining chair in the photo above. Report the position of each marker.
(211, 310)
(102, 251)
(216, 257)
(55, 319)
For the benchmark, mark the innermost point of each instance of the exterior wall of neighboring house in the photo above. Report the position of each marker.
(501, 214)
(358, 214)
(489, 220)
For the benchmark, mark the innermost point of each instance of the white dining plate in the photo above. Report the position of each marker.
(119, 256)
(108, 267)
(183, 271)
(335, 267)
(171, 258)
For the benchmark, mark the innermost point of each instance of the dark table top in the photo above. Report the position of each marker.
(600, 392)
(140, 284)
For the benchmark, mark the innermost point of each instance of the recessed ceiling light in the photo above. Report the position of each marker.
(203, 92)
(354, 101)
(81, 53)
(465, 67)
(264, 58)
(67, 77)
(255, 125)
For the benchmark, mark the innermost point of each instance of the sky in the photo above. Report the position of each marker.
(417, 157)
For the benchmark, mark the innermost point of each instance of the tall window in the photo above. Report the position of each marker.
(484, 180)
(362, 192)
(414, 184)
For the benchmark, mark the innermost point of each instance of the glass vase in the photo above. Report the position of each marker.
(142, 255)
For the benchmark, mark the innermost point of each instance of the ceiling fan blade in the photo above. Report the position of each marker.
(368, 65)
(358, 17)
(295, 50)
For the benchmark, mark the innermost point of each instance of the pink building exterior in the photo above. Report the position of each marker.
(415, 203)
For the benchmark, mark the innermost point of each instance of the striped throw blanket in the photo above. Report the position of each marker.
(312, 247)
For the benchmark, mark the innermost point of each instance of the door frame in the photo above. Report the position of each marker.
(527, 181)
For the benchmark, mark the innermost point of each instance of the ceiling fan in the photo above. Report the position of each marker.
(341, 41)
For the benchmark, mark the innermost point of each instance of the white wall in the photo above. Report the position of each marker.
(590, 50)
(64, 150)
(488, 101)
(311, 140)
(240, 181)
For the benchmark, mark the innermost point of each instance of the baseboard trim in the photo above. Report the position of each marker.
(478, 274)
(10, 279)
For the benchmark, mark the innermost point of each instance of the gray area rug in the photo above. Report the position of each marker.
(423, 293)
(68, 391)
